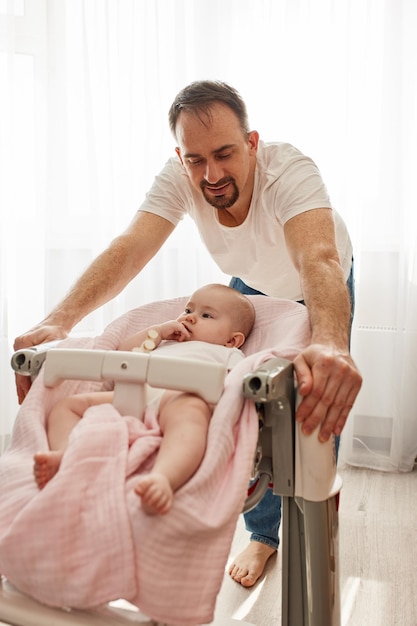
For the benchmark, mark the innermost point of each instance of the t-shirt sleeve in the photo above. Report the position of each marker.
(300, 188)
(169, 194)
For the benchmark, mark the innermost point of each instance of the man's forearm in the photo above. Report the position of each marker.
(102, 280)
(107, 275)
(327, 298)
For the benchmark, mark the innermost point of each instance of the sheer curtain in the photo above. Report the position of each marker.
(85, 89)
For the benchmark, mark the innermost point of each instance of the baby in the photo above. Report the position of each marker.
(216, 315)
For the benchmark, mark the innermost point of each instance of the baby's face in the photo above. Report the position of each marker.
(206, 317)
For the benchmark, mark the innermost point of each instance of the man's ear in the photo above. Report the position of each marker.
(253, 140)
(237, 340)
(178, 151)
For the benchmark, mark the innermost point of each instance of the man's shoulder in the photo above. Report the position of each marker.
(172, 176)
(280, 161)
(277, 154)
(173, 167)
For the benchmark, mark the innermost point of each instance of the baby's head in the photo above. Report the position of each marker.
(218, 314)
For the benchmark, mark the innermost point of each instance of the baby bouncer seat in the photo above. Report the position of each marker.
(84, 542)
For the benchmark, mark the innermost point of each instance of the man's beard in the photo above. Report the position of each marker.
(221, 202)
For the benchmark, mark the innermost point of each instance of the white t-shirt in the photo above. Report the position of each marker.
(286, 184)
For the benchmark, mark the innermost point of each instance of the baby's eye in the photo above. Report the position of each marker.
(207, 315)
(187, 310)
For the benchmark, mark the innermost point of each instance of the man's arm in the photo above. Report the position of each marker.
(328, 379)
(107, 275)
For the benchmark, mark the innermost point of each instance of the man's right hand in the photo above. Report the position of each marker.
(37, 335)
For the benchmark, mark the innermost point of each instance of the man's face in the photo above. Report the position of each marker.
(217, 156)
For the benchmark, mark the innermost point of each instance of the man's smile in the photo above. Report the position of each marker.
(221, 195)
(217, 190)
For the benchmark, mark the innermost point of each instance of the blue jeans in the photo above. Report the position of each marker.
(264, 520)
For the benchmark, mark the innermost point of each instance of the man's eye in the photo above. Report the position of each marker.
(224, 156)
(195, 161)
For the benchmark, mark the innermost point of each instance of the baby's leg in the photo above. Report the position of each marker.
(66, 414)
(184, 420)
(63, 417)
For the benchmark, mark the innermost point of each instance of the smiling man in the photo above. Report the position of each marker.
(224, 173)
(265, 215)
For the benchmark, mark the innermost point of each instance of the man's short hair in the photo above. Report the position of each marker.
(199, 96)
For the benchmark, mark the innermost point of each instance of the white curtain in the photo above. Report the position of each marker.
(85, 86)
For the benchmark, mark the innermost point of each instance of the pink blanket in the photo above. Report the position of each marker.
(84, 540)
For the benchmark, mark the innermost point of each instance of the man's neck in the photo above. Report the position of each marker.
(232, 217)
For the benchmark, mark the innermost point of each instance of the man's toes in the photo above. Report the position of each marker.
(249, 580)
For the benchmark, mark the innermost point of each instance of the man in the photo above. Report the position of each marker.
(265, 216)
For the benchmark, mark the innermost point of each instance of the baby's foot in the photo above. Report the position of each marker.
(46, 466)
(156, 493)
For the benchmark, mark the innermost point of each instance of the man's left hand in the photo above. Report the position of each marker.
(329, 381)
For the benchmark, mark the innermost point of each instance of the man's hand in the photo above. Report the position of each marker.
(39, 334)
(23, 384)
(329, 382)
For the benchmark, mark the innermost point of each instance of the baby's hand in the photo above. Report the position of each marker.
(173, 330)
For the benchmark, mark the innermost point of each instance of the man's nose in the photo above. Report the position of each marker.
(214, 172)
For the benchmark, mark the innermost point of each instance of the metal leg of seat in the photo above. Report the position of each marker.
(293, 592)
(310, 563)
(310, 576)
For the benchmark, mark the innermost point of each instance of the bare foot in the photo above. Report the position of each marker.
(248, 567)
(46, 466)
(156, 493)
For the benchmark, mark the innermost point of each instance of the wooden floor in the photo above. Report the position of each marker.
(378, 557)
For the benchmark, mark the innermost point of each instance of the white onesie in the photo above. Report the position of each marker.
(199, 351)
